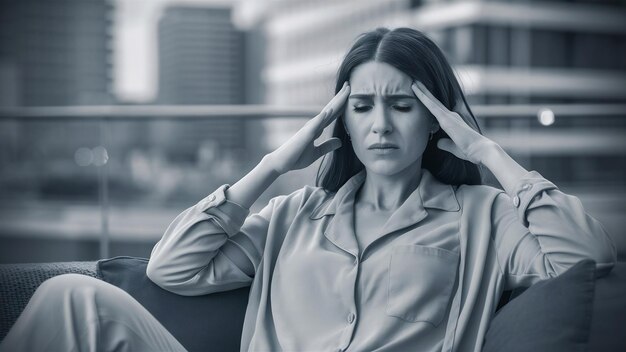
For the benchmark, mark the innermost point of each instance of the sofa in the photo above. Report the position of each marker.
(576, 311)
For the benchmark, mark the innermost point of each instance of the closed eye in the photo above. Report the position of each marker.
(402, 108)
(362, 108)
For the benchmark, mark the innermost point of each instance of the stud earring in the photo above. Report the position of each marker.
(430, 138)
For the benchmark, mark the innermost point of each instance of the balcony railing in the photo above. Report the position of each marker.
(141, 165)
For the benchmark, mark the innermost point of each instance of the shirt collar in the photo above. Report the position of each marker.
(430, 193)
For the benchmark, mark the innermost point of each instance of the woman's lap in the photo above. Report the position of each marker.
(78, 312)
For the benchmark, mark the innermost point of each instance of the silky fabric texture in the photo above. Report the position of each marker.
(74, 312)
(430, 282)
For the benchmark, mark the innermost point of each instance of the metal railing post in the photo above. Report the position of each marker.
(103, 193)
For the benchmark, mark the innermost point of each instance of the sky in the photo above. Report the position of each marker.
(135, 77)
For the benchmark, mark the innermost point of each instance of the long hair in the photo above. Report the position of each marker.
(413, 53)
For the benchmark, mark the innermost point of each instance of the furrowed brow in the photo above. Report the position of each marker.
(387, 97)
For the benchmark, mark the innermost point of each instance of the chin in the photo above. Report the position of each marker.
(385, 167)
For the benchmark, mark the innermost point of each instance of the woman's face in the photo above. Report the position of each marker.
(382, 108)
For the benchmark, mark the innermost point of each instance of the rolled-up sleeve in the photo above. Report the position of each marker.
(210, 247)
(539, 232)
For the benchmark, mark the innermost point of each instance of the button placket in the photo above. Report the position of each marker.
(351, 317)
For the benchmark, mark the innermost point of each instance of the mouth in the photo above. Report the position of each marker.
(382, 146)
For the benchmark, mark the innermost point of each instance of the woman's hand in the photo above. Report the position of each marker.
(465, 143)
(300, 151)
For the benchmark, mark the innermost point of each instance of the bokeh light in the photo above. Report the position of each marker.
(100, 155)
(546, 117)
(83, 156)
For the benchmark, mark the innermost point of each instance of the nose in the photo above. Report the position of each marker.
(381, 124)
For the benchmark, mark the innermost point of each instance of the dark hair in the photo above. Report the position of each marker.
(413, 53)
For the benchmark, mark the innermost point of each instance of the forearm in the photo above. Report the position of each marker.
(248, 189)
(506, 170)
(189, 259)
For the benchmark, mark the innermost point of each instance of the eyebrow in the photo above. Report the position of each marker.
(390, 96)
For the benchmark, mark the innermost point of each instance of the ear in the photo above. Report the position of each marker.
(434, 124)
(345, 127)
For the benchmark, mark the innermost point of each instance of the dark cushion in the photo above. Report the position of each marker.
(609, 312)
(200, 323)
(552, 315)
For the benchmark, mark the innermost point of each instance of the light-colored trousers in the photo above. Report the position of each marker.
(75, 312)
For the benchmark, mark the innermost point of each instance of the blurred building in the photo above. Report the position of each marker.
(52, 53)
(55, 52)
(201, 57)
(505, 53)
(201, 61)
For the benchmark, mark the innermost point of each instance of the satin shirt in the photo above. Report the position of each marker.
(431, 281)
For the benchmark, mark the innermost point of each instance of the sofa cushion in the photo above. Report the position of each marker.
(609, 312)
(200, 323)
(552, 315)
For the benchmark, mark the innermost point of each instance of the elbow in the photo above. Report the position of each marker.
(152, 272)
(604, 253)
(153, 269)
(170, 280)
(610, 253)
(607, 258)
(156, 274)
(601, 247)
(606, 248)
(159, 269)
(160, 277)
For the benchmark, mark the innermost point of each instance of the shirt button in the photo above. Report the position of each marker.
(211, 197)
(516, 201)
(351, 317)
(526, 186)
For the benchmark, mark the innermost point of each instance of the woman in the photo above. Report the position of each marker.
(399, 247)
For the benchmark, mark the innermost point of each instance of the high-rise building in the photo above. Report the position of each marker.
(201, 62)
(201, 57)
(55, 52)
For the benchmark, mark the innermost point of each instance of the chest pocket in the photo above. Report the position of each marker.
(421, 279)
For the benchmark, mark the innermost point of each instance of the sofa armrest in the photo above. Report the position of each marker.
(577, 309)
(18, 282)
